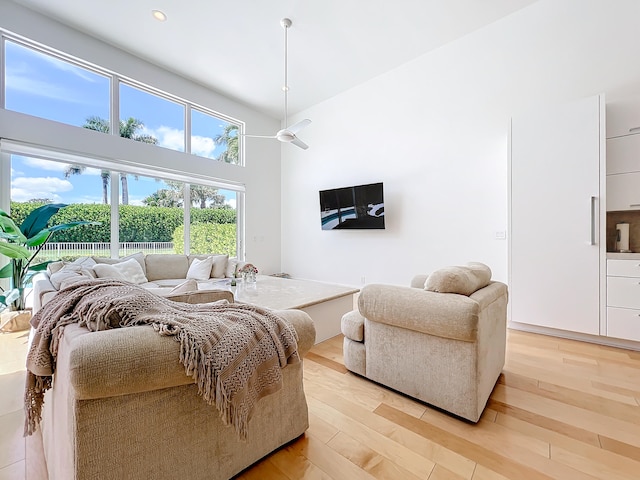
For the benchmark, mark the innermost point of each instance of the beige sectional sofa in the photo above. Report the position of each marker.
(122, 406)
(161, 273)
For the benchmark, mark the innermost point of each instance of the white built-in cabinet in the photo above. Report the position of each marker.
(557, 217)
(623, 299)
(623, 169)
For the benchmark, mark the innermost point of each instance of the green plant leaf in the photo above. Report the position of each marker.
(6, 271)
(8, 226)
(38, 219)
(12, 250)
(40, 266)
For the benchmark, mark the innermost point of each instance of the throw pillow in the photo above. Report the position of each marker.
(219, 268)
(138, 257)
(233, 265)
(200, 269)
(104, 270)
(188, 286)
(131, 271)
(463, 280)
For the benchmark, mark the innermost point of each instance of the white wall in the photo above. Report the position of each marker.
(260, 176)
(435, 132)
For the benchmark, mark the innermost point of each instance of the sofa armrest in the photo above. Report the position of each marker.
(201, 296)
(41, 286)
(304, 326)
(446, 315)
(122, 361)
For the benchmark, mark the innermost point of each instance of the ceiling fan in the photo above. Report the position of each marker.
(287, 134)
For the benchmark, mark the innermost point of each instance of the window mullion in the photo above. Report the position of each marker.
(115, 215)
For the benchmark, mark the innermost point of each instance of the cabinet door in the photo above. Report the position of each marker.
(555, 216)
(623, 154)
(623, 192)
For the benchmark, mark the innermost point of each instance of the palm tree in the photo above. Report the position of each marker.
(228, 137)
(104, 174)
(128, 129)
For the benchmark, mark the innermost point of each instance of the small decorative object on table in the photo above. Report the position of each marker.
(249, 272)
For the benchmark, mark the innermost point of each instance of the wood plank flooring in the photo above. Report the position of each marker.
(561, 410)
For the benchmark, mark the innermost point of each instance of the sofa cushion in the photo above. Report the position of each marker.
(200, 269)
(463, 280)
(166, 266)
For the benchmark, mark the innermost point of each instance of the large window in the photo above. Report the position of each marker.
(65, 89)
(150, 211)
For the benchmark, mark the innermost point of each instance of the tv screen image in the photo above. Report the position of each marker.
(357, 207)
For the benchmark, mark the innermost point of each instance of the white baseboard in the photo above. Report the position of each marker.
(582, 337)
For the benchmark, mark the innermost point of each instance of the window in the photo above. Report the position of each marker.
(70, 91)
(150, 118)
(214, 137)
(45, 86)
(150, 211)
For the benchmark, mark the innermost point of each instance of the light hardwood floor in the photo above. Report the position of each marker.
(562, 410)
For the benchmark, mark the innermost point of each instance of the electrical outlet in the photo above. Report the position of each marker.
(501, 235)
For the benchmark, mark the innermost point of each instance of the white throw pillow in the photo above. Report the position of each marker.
(200, 269)
(104, 270)
(188, 286)
(131, 271)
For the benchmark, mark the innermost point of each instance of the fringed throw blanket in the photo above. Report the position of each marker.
(234, 352)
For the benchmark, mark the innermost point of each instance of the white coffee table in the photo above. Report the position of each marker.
(325, 303)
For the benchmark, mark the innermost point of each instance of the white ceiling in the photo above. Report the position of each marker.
(236, 47)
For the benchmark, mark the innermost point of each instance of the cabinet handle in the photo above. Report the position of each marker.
(635, 205)
(592, 240)
(634, 129)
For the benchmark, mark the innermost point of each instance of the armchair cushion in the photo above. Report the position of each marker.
(462, 280)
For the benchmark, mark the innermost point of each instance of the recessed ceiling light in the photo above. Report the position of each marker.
(159, 15)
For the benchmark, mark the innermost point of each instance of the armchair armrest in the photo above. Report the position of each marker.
(447, 315)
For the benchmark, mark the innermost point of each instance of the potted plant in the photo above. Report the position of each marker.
(14, 240)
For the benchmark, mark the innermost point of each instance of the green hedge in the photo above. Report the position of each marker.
(208, 238)
(137, 223)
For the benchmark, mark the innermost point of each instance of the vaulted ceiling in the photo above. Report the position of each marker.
(237, 47)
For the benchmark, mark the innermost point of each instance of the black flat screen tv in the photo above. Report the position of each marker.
(358, 207)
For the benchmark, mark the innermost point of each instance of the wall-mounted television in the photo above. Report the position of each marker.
(357, 207)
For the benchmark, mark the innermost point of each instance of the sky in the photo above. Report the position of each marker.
(44, 86)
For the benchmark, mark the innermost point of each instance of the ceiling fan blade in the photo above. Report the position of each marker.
(299, 143)
(256, 136)
(296, 127)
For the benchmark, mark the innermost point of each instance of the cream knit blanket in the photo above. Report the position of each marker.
(234, 352)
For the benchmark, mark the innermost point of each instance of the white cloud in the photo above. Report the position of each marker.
(202, 146)
(173, 139)
(24, 189)
(231, 202)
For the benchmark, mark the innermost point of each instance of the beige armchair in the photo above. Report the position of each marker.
(446, 349)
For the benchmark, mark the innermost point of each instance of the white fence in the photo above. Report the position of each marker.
(72, 250)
